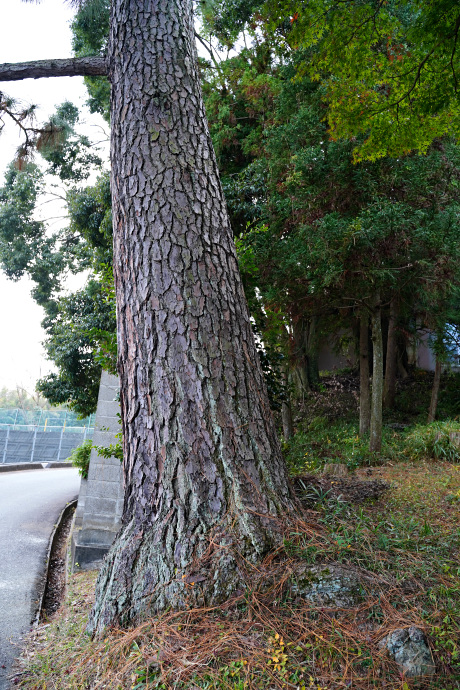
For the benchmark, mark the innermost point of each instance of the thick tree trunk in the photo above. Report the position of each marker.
(71, 67)
(435, 391)
(375, 444)
(205, 479)
(389, 390)
(364, 388)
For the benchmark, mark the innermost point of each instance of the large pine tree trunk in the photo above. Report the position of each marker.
(205, 479)
(375, 444)
(389, 390)
(364, 388)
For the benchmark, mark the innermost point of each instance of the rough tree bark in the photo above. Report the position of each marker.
(205, 479)
(389, 390)
(375, 444)
(435, 391)
(364, 388)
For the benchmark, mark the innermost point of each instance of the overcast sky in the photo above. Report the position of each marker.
(30, 32)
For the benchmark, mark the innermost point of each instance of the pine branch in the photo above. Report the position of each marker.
(71, 67)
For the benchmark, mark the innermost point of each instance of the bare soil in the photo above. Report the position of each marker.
(56, 580)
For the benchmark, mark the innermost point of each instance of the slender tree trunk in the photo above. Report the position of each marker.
(435, 391)
(377, 379)
(402, 369)
(300, 370)
(300, 376)
(389, 390)
(306, 373)
(286, 410)
(364, 388)
(205, 478)
(311, 352)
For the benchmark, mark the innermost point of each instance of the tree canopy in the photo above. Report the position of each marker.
(389, 69)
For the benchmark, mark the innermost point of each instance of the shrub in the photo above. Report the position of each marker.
(434, 441)
(320, 442)
(80, 458)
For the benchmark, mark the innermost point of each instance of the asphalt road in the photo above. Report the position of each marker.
(30, 504)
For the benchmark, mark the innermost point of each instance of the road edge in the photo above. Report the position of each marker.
(52, 542)
(16, 467)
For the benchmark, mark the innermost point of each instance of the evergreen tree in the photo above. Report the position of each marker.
(205, 479)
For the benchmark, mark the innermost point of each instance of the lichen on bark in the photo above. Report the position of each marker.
(205, 481)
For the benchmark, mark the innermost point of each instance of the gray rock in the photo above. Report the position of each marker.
(331, 586)
(409, 648)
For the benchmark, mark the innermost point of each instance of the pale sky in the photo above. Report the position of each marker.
(31, 32)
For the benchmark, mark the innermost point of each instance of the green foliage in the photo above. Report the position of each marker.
(320, 442)
(407, 538)
(114, 450)
(80, 458)
(90, 211)
(324, 235)
(81, 327)
(389, 70)
(434, 441)
(105, 340)
(226, 19)
(90, 30)
(69, 154)
(20, 234)
(71, 346)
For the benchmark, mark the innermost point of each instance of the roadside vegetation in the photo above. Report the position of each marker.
(346, 237)
(405, 537)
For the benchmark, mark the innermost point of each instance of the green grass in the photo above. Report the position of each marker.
(437, 441)
(321, 442)
(408, 542)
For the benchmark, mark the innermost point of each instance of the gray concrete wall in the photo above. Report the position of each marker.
(101, 504)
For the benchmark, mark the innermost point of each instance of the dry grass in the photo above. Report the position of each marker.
(407, 542)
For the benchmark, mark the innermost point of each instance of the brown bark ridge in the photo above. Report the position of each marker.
(205, 480)
(364, 388)
(375, 443)
(71, 67)
(435, 391)
(389, 390)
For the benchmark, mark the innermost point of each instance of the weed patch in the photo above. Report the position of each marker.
(271, 636)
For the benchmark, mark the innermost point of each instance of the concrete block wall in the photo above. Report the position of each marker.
(100, 505)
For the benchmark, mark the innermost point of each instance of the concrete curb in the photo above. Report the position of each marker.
(64, 513)
(33, 466)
